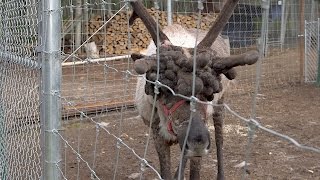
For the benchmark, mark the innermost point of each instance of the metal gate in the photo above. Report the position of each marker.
(311, 71)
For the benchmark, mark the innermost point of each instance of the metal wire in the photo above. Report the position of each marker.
(251, 122)
(280, 135)
(87, 40)
(19, 91)
(107, 131)
(75, 152)
(60, 170)
(124, 95)
(78, 147)
(192, 103)
(312, 47)
(156, 90)
(251, 129)
(95, 150)
(19, 124)
(19, 38)
(246, 120)
(120, 126)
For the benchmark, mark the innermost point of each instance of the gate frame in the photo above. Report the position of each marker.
(307, 51)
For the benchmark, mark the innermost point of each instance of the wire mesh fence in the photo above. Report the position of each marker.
(243, 31)
(20, 150)
(20, 128)
(98, 83)
(311, 51)
(99, 90)
(280, 66)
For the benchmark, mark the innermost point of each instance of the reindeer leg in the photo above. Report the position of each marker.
(195, 167)
(183, 166)
(163, 150)
(218, 125)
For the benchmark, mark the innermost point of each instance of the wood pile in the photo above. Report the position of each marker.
(113, 39)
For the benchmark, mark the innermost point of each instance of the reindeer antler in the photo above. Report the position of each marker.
(219, 24)
(177, 62)
(141, 12)
(225, 65)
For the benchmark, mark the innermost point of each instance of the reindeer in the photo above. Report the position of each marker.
(215, 70)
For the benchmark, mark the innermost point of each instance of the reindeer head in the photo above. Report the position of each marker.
(175, 71)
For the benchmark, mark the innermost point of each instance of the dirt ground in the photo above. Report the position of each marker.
(291, 110)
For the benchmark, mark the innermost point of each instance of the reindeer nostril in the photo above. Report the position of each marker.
(198, 139)
(209, 145)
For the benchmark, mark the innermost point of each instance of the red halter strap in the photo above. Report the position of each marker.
(169, 112)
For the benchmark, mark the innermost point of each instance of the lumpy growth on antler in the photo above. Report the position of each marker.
(176, 65)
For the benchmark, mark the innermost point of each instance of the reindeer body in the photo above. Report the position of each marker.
(179, 36)
(173, 121)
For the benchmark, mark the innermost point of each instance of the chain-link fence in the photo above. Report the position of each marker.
(20, 150)
(20, 128)
(284, 43)
(312, 48)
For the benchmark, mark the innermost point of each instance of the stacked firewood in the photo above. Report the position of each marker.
(113, 39)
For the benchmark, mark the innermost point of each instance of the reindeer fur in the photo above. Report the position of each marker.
(180, 36)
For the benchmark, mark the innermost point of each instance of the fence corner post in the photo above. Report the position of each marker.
(301, 38)
(318, 46)
(50, 107)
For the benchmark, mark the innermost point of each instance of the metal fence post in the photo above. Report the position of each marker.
(301, 37)
(318, 47)
(169, 12)
(263, 46)
(50, 87)
(78, 15)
